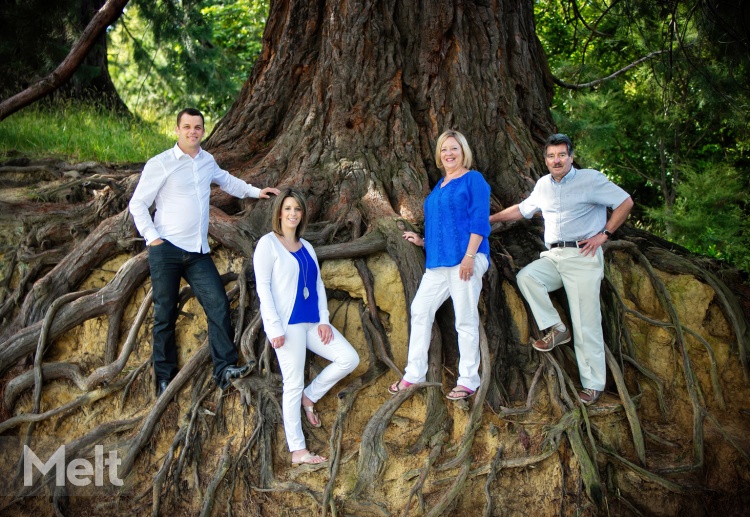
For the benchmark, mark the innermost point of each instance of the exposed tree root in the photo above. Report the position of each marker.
(83, 400)
(628, 405)
(128, 278)
(40, 309)
(346, 399)
(416, 489)
(50, 371)
(449, 497)
(729, 302)
(491, 476)
(646, 474)
(101, 244)
(529, 398)
(38, 380)
(691, 382)
(76, 448)
(372, 453)
(475, 418)
(221, 470)
(200, 358)
(105, 374)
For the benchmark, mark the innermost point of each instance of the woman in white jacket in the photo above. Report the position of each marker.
(295, 315)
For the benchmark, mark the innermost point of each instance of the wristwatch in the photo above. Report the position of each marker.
(607, 233)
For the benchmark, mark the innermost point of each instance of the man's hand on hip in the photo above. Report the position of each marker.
(590, 245)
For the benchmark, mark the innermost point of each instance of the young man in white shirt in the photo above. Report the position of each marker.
(178, 181)
(573, 203)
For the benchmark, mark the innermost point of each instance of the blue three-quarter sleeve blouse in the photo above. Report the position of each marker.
(452, 214)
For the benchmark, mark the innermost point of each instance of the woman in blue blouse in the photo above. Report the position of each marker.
(295, 315)
(456, 220)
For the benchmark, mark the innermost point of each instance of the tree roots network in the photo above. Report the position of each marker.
(669, 435)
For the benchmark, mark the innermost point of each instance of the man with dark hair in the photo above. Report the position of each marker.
(192, 112)
(574, 205)
(178, 181)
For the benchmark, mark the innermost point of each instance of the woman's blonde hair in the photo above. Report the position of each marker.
(276, 211)
(461, 139)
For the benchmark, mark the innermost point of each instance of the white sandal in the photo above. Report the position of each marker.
(310, 410)
(305, 460)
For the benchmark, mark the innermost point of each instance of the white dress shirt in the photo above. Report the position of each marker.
(276, 277)
(180, 186)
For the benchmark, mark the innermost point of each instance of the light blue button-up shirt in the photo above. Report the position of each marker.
(180, 187)
(576, 207)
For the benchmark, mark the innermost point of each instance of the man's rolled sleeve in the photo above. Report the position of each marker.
(529, 206)
(608, 193)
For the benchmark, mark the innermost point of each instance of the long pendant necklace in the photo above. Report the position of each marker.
(305, 292)
(304, 267)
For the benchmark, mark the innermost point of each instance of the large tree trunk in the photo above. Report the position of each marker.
(346, 103)
(368, 86)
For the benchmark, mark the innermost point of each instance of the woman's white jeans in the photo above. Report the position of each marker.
(298, 338)
(437, 284)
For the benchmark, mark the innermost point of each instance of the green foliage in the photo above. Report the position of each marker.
(167, 55)
(708, 216)
(81, 132)
(663, 125)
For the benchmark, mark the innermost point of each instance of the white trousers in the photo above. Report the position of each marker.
(298, 338)
(437, 284)
(581, 276)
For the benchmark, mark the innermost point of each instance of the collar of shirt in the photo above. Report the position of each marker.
(568, 177)
(179, 153)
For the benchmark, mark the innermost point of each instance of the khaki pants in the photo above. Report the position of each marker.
(581, 276)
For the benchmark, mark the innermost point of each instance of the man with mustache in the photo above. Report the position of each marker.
(573, 203)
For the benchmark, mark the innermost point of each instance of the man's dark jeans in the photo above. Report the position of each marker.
(169, 264)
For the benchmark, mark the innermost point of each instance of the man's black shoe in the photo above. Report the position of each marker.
(161, 388)
(235, 372)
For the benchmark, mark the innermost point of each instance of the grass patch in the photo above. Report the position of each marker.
(83, 133)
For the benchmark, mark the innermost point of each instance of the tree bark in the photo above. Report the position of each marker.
(349, 100)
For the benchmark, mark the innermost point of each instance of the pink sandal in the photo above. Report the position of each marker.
(399, 386)
(460, 393)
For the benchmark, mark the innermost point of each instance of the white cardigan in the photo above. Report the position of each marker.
(276, 277)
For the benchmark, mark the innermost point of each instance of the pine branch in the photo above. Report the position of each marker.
(591, 84)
